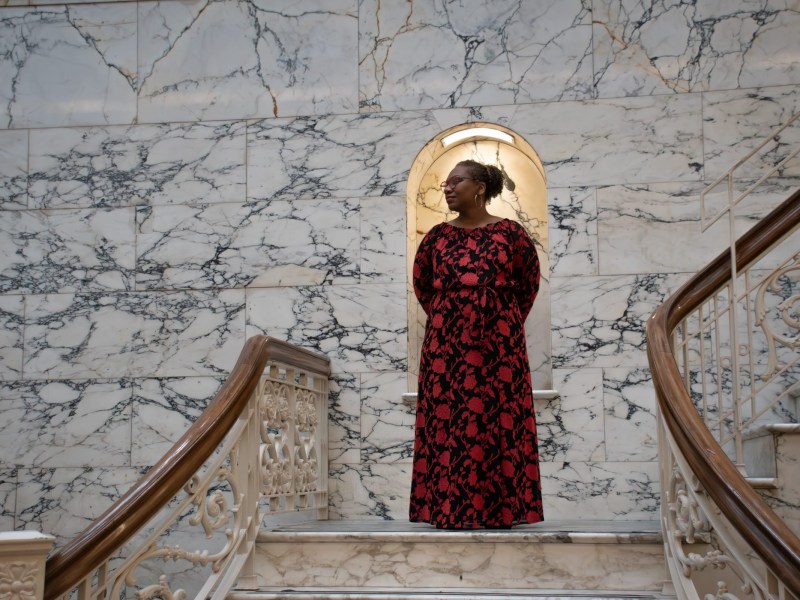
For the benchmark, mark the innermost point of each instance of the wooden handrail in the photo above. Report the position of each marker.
(744, 508)
(146, 498)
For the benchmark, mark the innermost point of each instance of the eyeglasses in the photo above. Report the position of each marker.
(453, 181)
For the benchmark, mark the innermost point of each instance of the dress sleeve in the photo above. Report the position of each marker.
(423, 272)
(526, 272)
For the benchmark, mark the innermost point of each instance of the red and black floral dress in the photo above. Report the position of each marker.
(476, 459)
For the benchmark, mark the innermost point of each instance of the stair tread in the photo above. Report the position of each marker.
(563, 531)
(358, 593)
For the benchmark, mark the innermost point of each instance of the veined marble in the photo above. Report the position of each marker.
(178, 163)
(572, 231)
(344, 418)
(656, 228)
(644, 47)
(133, 334)
(361, 328)
(68, 65)
(623, 140)
(66, 423)
(278, 243)
(786, 499)
(430, 55)
(163, 409)
(12, 322)
(387, 425)
(630, 415)
(383, 239)
(600, 321)
(459, 565)
(64, 501)
(373, 490)
(570, 427)
(234, 59)
(736, 121)
(627, 491)
(13, 170)
(334, 156)
(8, 497)
(66, 251)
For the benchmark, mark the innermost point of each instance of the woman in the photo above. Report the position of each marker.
(476, 458)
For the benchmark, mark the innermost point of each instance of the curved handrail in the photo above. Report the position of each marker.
(127, 515)
(766, 533)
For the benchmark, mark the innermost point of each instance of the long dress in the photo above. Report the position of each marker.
(476, 460)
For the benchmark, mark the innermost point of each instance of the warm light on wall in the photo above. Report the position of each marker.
(476, 132)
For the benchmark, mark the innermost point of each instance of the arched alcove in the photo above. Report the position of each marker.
(524, 199)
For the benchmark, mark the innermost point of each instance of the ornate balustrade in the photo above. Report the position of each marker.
(723, 353)
(188, 527)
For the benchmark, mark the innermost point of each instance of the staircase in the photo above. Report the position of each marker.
(392, 559)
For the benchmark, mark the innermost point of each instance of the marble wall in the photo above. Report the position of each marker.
(177, 175)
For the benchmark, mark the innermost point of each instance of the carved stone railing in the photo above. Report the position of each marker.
(723, 355)
(188, 527)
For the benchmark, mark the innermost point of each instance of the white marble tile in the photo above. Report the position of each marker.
(278, 243)
(163, 409)
(785, 500)
(177, 163)
(737, 121)
(13, 170)
(572, 226)
(600, 490)
(431, 55)
(341, 156)
(68, 66)
(8, 497)
(600, 321)
(66, 423)
(133, 335)
(570, 427)
(376, 490)
(468, 568)
(63, 501)
(657, 228)
(387, 425)
(630, 415)
(344, 419)
(654, 228)
(646, 47)
(234, 59)
(615, 141)
(12, 320)
(383, 239)
(361, 328)
(66, 251)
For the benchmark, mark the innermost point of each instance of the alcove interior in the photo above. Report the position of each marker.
(524, 199)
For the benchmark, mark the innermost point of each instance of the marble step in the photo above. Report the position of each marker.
(772, 453)
(340, 556)
(437, 594)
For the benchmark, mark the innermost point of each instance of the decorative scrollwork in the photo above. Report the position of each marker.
(160, 590)
(788, 311)
(18, 580)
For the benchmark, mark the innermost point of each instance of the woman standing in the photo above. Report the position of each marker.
(476, 458)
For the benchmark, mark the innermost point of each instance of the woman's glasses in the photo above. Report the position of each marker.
(453, 181)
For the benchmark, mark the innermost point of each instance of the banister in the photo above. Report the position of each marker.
(767, 534)
(120, 522)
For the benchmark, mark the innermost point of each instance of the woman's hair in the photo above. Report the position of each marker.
(488, 174)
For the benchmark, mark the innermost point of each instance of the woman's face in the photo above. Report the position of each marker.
(461, 189)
